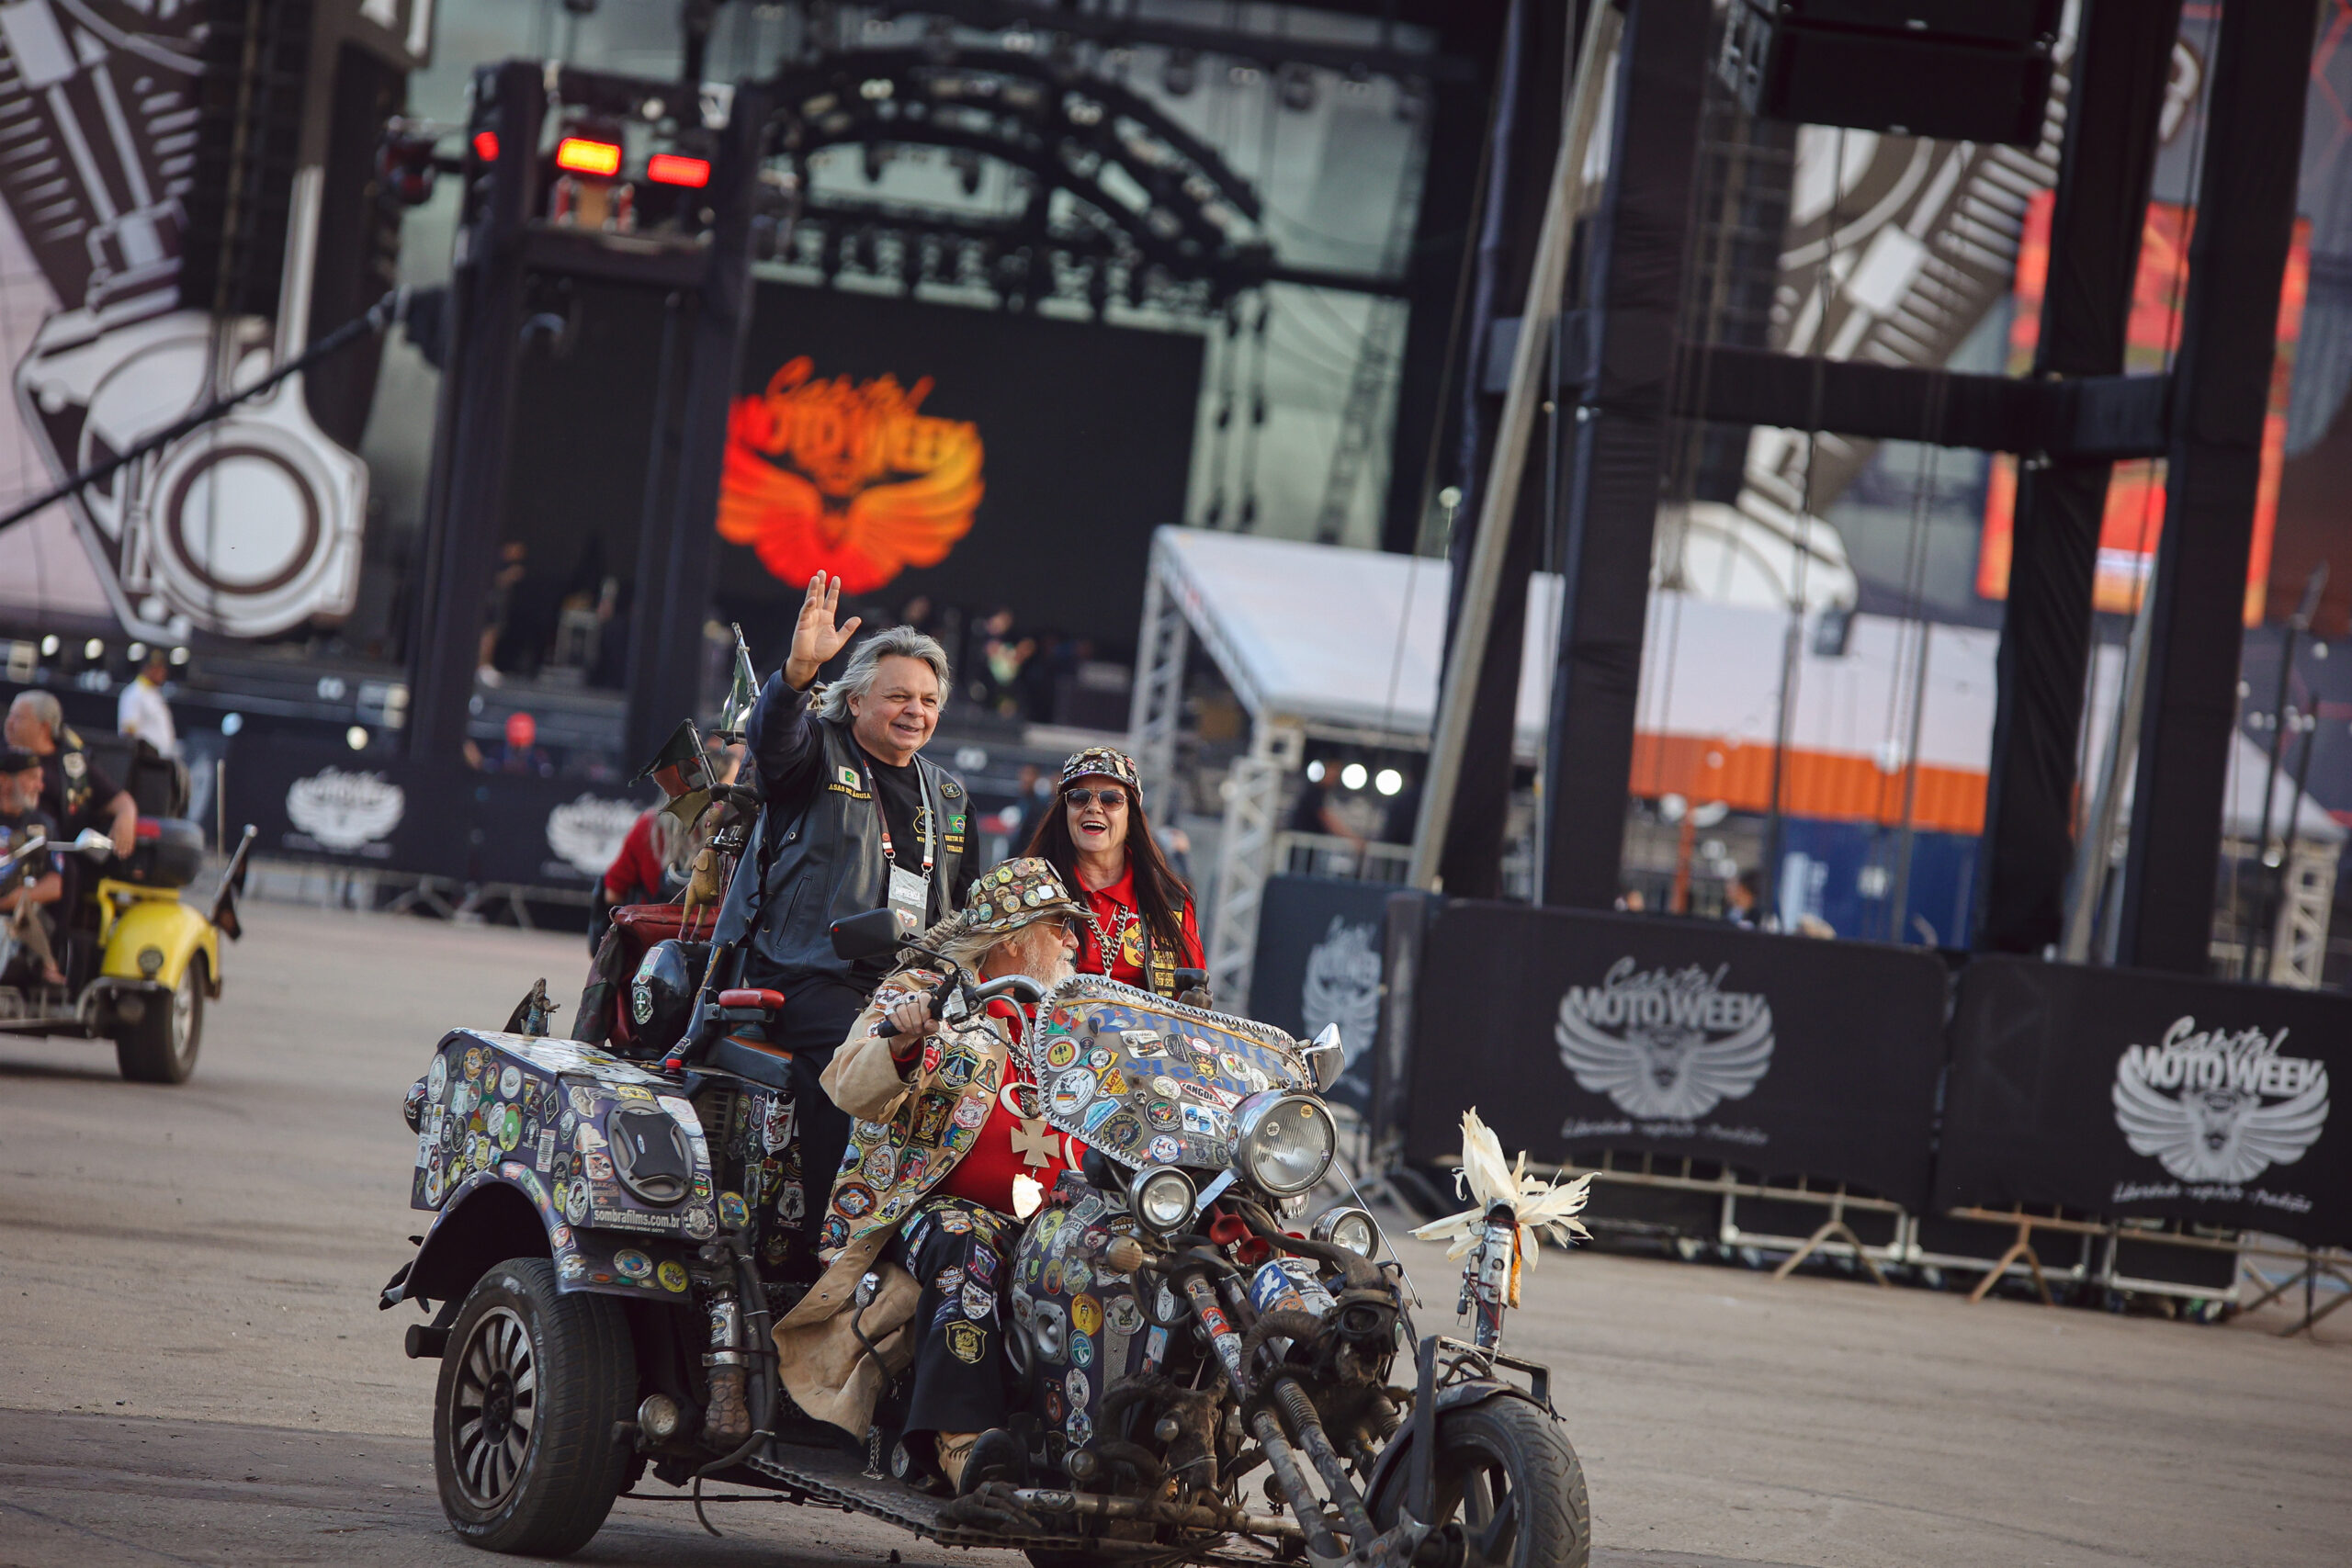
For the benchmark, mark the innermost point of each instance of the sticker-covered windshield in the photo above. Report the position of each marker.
(1149, 1081)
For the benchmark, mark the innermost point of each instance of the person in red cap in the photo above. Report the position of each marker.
(1140, 928)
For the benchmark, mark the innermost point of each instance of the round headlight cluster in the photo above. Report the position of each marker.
(1348, 1227)
(1288, 1141)
(1162, 1197)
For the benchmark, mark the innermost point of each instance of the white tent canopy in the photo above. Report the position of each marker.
(1333, 638)
(1347, 643)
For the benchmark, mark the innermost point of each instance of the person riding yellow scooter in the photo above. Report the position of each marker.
(130, 960)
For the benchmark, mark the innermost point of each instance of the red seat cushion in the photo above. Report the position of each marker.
(648, 923)
(762, 997)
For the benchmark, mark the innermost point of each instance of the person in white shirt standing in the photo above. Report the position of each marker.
(141, 710)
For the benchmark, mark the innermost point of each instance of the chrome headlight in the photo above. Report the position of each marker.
(1162, 1197)
(1288, 1141)
(1349, 1227)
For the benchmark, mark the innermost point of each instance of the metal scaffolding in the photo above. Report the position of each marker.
(1158, 707)
(2307, 895)
(1245, 854)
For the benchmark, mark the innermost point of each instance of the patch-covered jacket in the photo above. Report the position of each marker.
(906, 1135)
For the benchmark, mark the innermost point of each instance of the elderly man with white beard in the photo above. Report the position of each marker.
(949, 1150)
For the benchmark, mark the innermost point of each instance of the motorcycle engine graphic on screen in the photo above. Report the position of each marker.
(251, 523)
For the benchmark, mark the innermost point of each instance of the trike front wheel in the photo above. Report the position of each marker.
(1507, 1478)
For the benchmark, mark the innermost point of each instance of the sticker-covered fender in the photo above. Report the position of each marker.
(506, 1212)
(1085, 1325)
(614, 1146)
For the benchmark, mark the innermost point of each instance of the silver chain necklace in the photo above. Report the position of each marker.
(1126, 920)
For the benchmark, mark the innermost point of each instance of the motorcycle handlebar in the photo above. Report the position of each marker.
(1017, 986)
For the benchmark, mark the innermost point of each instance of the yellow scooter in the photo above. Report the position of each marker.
(139, 964)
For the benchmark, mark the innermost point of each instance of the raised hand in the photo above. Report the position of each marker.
(815, 639)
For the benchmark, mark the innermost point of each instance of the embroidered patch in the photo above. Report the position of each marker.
(966, 1342)
(931, 1117)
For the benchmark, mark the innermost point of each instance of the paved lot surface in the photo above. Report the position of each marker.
(192, 1368)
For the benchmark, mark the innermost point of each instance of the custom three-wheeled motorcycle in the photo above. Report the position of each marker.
(139, 961)
(1198, 1372)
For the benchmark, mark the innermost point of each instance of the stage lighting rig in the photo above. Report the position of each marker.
(581, 187)
(1107, 196)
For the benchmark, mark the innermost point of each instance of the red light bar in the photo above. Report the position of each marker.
(676, 169)
(581, 156)
(486, 146)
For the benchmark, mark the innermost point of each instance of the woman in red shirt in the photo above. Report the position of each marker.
(1140, 928)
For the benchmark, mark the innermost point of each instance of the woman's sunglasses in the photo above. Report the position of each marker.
(1109, 797)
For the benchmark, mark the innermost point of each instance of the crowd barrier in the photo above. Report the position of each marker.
(2037, 1120)
(450, 838)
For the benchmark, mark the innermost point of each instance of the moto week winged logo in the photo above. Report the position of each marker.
(2215, 1105)
(1665, 1045)
(345, 812)
(1342, 986)
(847, 477)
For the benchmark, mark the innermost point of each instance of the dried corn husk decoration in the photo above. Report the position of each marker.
(1544, 1209)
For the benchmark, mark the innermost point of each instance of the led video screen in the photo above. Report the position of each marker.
(2136, 497)
(984, 459)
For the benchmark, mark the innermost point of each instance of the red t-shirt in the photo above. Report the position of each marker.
(1116, 911)
(1009, 1144)
(636, 866)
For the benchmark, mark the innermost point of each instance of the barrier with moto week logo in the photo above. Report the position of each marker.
(1577, 1032)
(2133, 1095)
(319, 803)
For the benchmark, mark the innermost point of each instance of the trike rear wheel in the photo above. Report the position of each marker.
(532, 1384)
(160, 1047)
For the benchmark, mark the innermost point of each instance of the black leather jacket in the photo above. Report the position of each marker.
(816, 852)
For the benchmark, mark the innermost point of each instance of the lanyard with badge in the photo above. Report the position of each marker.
(909, 894)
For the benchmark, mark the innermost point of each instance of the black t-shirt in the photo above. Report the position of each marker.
(899, 790)
(96, 788)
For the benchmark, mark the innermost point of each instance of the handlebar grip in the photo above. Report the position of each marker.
(884, 1029)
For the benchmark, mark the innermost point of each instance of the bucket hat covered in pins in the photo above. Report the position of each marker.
(1003, 899)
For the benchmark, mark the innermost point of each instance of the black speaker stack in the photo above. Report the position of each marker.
(1958, 69)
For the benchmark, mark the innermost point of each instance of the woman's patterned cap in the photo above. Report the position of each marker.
(1106, 761)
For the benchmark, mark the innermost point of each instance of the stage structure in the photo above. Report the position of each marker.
(192, 187)
(1117, 202)
(1625, 369)
(2186, 1105)
(573, 178)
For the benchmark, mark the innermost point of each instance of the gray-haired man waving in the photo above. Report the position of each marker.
(853, 818)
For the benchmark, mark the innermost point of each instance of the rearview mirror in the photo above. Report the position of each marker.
(90, 842)
(877, 934)
(1327, 1057)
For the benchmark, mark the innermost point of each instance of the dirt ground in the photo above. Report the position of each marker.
(192, 1366)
